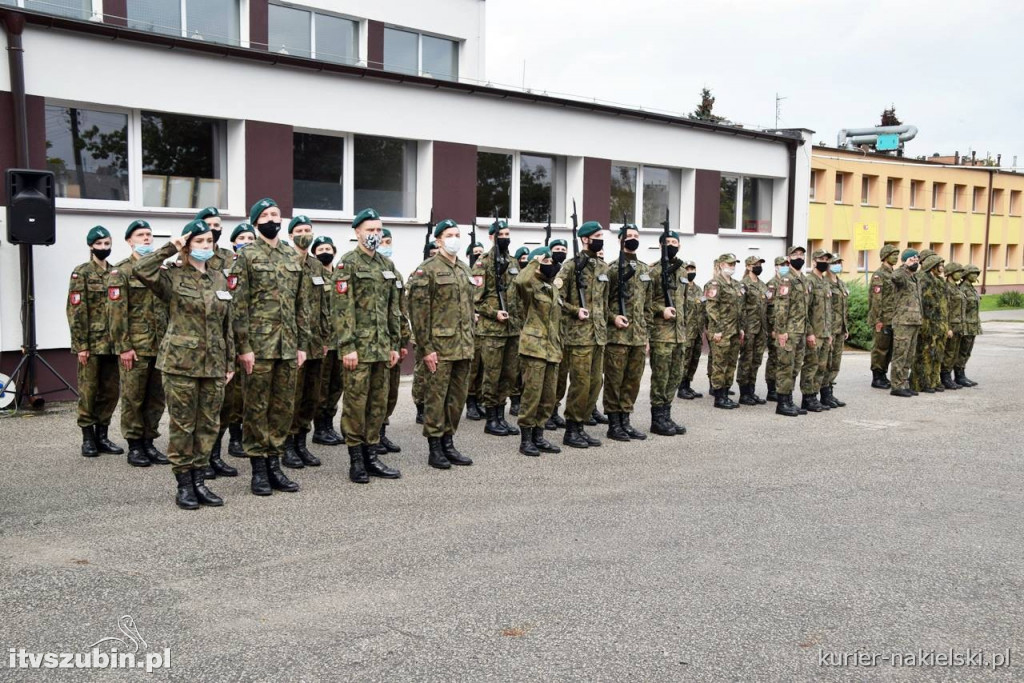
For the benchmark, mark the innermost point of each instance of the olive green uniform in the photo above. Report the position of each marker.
(310, 375)
(626, 350)
(89, 320)
(881, 298)
(840, 328)
(584, 339)
(755, 330)
(540, 345)
(234, 392)
(498, 341)
(696, 322)
(772, 364)
(814, 371)
(957, 303)
(972, 323)
(724, 305)
(932, 340)
(906, 325)
(404, 338)
(331, 370)
(668, 337)
(791, 303)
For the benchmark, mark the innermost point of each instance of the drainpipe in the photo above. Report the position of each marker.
(988, 224)
(790, 205)
(14, 23)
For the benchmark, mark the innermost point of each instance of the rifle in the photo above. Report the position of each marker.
(472, 243)
(668, 270)
(579, 259)
(430, 237)
(620, 283)
(547, 233)
(500, 266)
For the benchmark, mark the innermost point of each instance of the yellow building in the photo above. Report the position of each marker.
(965, 214)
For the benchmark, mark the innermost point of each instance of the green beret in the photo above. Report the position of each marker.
(470, 248)
(322, 239)
(558, 243)
(135, 225)
(365, 215)
(887, 250)
(625, 228)
(385, 233)
(97, 233)
(208, 212)
(195, 227)
(543, 252)
(299, 220)
(521, 252)
(258, 208)
(497, 225)
(671, 233)
(444, 225)
(908, 254)
(240, 228)
(589, 228)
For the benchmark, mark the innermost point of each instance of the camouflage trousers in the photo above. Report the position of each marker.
(331, 386)
(815, 366)
(419, 378)
(193, 404)
(835, 359)
(394, 383)
(881, 350)
(500, 360)
(722, 361)
(964, 352)
(904, 346)
(586, 369)
(476, 369)
(666, 371)
(307, 393)
(563, 379)
(269, 406)
(927, 360)
(540, 381)
(772, 364)
(142, 399)
(234, 400)
(751, 356)
(444, 397)
(694, 346)
(791, 359)
(623, 370)
(366, 403)
(951, 352)
(98, 389)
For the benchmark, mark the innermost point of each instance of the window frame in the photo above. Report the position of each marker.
(514, 213)
(863, 261)
(840, 188)
(815, 179)
(95, 10)
(184, 32)
(455, 78)
(741, 182)
(938, 196)
(356, 59)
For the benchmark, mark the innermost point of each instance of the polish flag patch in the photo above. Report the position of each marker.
(341, 286)
(877, 289)
(232, 282)
(712, 292)
(783, 290)
(114, 293)
(76, 298)
(477, 280)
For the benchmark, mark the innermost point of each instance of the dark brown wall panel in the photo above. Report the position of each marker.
(268, 164)
(115, 12)
(36, 108)
(454, 181)
(258, 24)
(707, 194)
(375, 45)
(62, 360)
(597, 190)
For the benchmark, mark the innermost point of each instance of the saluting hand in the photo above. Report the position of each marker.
(179, 241)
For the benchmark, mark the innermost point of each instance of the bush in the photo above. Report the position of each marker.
(1011, 300)
(861, 335)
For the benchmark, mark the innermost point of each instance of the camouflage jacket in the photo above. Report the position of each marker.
(138, 318)
(594, 330)
(223, 260)
(755, 306)
(934, 305)
(819, 306)
(365, 307)
(542, 315)
(771, 288)
(271, 301)
(972, 321)
(957, 302)
(881, 297)
(840, 308)
(441, 297)
(638, 290)
(199, 340)
(696, 315)
(791, 304)
(724, 305)
(87, 311)
(906, 307)
(661, 330)
(316, 277)
(486, 296)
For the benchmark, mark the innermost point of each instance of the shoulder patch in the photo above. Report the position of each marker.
(783, 290)
(114, 271)
(74, 276)
(711, 292)
(232, 282)
(419, 271)
(114, 293)
(877, 289)
(341, 286)
(769, 293)
(76, 298)
(477, 280)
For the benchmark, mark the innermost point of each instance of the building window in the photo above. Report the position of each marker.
(657, 188)
(915, 186)
(815, 177)
(521, 186)
(754, 196)
(214, 21)
(839, 187)
(623, 204)
(87, 150)
(420, 54)
(863, 261)
(727, 202)
(1009, 256)
(975, 253)
(867, 187)
(977, 199)
(938, 196)
(385, 175)
(990, 261)
(958, 197)
(1014, 203)
(892, 189)
(303, 33)
(493, 183)
(319, 162)
(997, 201)
(954, 251)
(183, 161)
(536, 187)
(76, 9)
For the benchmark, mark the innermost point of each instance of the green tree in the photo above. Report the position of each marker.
(703, 112)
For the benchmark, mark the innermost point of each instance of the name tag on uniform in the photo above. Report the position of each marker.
(513, 271)
(318, 281)
(224, 295)
(388, 275)
(602, 278)
(398, 284)
(227, 272)
(644, 277)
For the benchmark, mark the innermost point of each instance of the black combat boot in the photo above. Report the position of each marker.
(217, 463)
(105, 445)
(832, 397)
(419, 413)
(389, 445)
(970, 382)
(473, 411)
(203, 494)
(826, 398)
(687, 392)
(947, 380)
(154, 455)
(771, 395)
(186, 497)
(136, 456)
(323, 434)
(493, 426)
(291, 456)
(785, 406)
(375, 468)
(526, 445)
(357, 470)
(332, 433)
(512, 430)
(615, 430)
(436, 454)
(452, 453)
(591, 441)
(573, 435)
(554, 422)
(809, 402)
(722, 400)
(630, 430)
(278, 480)
(514, 403)
(901, 392)
(753, 394)
(542, 444)
(235, 440)
(747, 395)
(260, 485)
(659, 425)
(308, 459)
(667, 410)
(598, 418)
(879, 380)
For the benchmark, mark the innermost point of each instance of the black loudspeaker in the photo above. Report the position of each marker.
(31, 207)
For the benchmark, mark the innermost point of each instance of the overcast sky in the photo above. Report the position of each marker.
(954, 69)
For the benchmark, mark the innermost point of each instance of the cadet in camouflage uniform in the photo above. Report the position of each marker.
(667, 330)
(497, 330)
(814, 372)
(138, 320)
(772, 365)
(586, 333)
(790, 326)
(880, 312)
(972, 325)
(386, 445)
(234, 392)
(441, 293)
(840, 331)
(724, 304)
(957, 302)
(696, 320)
(196, 355)
(906, 322)
(559, 251)
(934, 326)
(626, 349)
(272, 333)
(331, 371)
(367, 324)
(540, 348)
(419, 375)
(474, 409)
(89, 320)
(755, 329)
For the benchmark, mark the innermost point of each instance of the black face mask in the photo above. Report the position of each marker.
(913, 267)
(820, 266)
(550, 270)
(503, 244)
(558, 256)
(216, 236)
(270, 229)
(691, 276)
(797, 263)
(671, 251)
(325, 258)
(757, 270)
(101, 254)
(595, 246)
(631, 245)
(523, 262)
